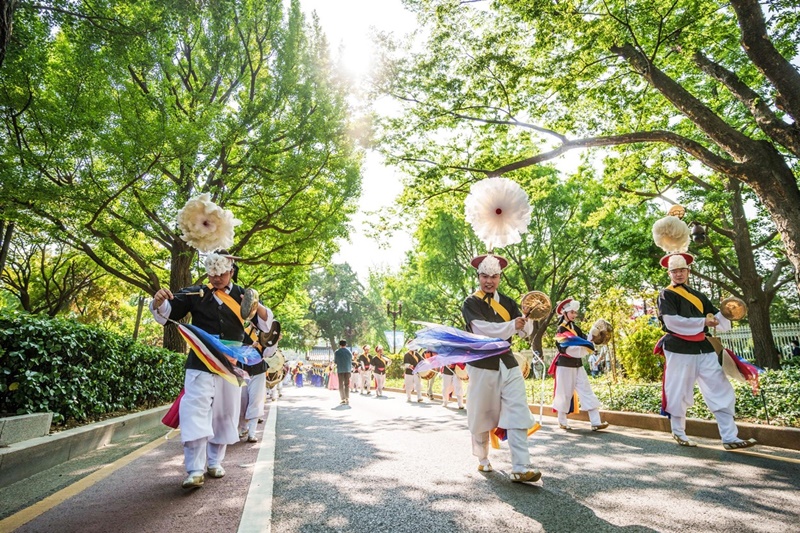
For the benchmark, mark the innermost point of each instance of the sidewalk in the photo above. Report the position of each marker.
(135, 486)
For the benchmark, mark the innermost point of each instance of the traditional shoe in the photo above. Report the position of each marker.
(524, 477)
(602, 425)
(567, 427)
(250, 438)
(684, 442)
(218, 471)
(739, 444)
(420, 400)
(193, 482)
(485, 468)
(461, 407)
(242, 433)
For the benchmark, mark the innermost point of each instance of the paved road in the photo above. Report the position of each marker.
(386, 465)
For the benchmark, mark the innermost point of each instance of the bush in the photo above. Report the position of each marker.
(78, 372)
(635, 350)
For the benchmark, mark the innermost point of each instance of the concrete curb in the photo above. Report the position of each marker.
(26, 458)
(778, 436)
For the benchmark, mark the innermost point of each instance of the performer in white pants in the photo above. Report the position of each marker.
(378, 365)
(209, 409)
(411, 381)
(355, 376)
(568, 369)
(686, 314)
(365, 370)
(451, 385)
(497, 396)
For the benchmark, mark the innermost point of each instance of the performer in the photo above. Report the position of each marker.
(451, 385)
(431, 383)
(570, 376)
(379, 364)
(364, 362)
(209, 409)
(411, 381)
(686, 316)
(355, 376)
(343, 360)
(497, 388)
(255, 393)
(333, 380)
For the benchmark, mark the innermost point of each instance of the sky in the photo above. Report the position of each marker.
(347, 24)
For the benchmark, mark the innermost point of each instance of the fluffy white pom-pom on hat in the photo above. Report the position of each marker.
(498, 210)
(671, 234)
(205, 225)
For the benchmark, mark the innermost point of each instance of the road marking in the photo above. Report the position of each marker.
(29, 513)
(257, 513)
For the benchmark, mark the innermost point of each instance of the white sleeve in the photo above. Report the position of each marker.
(163, 311)
(266, 325)
(684, 325)
(724, 323)
(499, 330)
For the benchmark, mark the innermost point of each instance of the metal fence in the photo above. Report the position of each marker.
(740, 339)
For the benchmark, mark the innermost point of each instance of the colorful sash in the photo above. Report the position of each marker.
(499, 309)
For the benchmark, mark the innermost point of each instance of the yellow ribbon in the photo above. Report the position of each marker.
(234, 306)
(499, 309)
(694, 300)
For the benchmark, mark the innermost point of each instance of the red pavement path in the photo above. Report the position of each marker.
(145, 495)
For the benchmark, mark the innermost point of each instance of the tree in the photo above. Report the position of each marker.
(114, 135)
(47, 277)
(337, 304)
(715, 83)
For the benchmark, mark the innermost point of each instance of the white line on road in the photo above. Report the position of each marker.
(257, 513)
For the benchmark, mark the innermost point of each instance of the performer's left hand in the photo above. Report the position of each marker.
(519, 322)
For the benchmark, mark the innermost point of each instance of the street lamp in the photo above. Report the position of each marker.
(394, 313)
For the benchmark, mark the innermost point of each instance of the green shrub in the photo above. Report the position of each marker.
(77, 371)
(635, 350)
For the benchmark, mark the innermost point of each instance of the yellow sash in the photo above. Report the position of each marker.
(234, 306)
(694, 300)
(566, 327)
(499, 309)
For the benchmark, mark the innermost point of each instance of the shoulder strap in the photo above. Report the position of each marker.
(499, 309)
(234, 306)
(686, 295)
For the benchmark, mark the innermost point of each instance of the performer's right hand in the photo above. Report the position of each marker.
(160, 296)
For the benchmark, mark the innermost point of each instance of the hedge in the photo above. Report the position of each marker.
(80, 372)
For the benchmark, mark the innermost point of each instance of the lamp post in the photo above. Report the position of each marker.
(394, 313)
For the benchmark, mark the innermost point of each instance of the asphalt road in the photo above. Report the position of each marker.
(386, 465)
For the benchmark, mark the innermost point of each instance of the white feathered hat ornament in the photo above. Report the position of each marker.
(205, 225)
(672, 235)
(498, 210)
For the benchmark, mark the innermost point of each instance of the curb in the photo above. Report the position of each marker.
(777, 436)
(24, 459)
